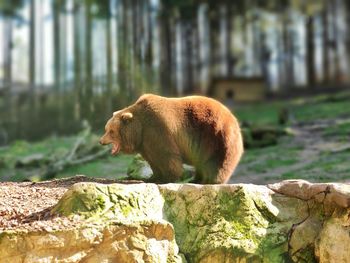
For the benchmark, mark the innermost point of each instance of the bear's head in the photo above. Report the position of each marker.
(123, 131)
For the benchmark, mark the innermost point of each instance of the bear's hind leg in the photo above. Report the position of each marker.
(205, 173)
(168, 170)
(212, 173)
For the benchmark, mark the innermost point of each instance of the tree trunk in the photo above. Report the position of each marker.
(188, 51)
(337, 70)
(347, 3)
(325, 46)
(77, 60)
(135, 29)
(149, 32)
(32, 55)
(195, 56)
(130, 52)
(88, 105)
(204, 50)
(310, 52)
(148, 55)
(255, 35)
(155, 29)
(7, 77)
(166, 56)
(230, 58)
(63, 48)
(213, 32)
(33, 62)
(288, 54)
(56, 43)
(280, 60)
(8, 52)
(265, 60)
(122, 51)
(109, 63)
(223, 40)
(177, 57)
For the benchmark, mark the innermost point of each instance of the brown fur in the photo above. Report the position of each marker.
(168, 132)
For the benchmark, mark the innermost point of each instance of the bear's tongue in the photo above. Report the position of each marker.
(115, 149)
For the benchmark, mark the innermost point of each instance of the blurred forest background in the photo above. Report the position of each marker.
(66, 65)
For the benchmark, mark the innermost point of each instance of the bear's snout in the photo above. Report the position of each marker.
(103, 141)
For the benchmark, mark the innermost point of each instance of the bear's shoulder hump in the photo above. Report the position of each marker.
(147, 97)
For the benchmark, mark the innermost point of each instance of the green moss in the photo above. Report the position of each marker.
(237, 222)
(114, 201)
(84, 201)
(341, 130)
(305, 255)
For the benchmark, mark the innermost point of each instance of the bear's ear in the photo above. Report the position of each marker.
(126, 116)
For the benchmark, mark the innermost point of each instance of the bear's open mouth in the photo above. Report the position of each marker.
(115, 149)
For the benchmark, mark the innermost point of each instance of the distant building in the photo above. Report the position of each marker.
(238, 89)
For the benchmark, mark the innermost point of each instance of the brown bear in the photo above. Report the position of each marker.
(168, 132)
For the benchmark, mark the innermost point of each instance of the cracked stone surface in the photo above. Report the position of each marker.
(290, 221)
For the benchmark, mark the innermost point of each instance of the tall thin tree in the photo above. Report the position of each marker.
(56, 42)
(77, 58)
(108, 59)
(310, 51)
(88, 83)
(325, 44)
(32, 53)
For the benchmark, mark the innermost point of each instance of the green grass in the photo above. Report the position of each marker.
(56, 148)
(48, 146)
(273, 164)
(324, 110)
(262, 160)
(341, 130)
(327, 168)
(110, 167)
(262, 113)
(319, 107)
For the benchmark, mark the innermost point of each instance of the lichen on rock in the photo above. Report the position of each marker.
(333, 242)
(119, 202)
(119, 223)
(240, 221)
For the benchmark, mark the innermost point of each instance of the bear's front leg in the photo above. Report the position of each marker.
(167, 169)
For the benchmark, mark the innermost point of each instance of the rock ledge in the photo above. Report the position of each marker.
(73, 220)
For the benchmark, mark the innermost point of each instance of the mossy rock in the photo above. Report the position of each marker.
(139, 169)
(291, 221)
(114, 201)
(232, 223)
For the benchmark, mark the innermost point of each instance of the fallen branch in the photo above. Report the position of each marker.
(85, 149)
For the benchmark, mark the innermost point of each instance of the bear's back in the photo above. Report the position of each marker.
(192, 111)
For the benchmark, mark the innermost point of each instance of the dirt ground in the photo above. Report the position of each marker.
(27, 205)
(313, 149)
